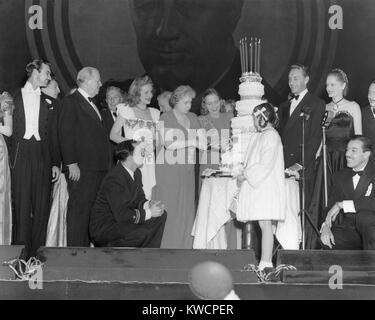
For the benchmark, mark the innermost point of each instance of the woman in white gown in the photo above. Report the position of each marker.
(262, 195)
(139, 123)
(6, 109)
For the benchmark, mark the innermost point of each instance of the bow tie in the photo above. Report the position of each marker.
(294, 96)
(360, 173)
(92, 100)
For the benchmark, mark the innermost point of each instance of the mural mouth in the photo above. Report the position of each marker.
(171, 56)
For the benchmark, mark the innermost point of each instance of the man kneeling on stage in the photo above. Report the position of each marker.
(121, 215)
(353, 196)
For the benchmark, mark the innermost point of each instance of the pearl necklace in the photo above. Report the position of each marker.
(336, 104)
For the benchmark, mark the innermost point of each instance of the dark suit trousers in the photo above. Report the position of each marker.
(145, 235)
(31, 191)
(82, 194)
(355, 232)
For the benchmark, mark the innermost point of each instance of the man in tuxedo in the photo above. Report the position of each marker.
(368, 115)
(121, 215)
(353, 197)
(32, 159)
(301, 102)
(86, 153)
(50, 94)
(114, 96)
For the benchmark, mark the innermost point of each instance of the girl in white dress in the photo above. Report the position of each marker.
(139, 123)
(262, 195)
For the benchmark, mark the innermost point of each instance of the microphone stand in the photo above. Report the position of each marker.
(303, 182)
(303, 212)
(325, 167)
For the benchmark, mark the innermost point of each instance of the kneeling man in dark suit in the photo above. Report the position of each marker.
(121, 215)
(353, 197)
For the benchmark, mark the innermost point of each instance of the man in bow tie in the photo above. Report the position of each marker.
(353, 196)
(85, 150)
(33, 160)
(300, 102)
(290, 127)
(114, 96)
(50, 94)
(368, 114)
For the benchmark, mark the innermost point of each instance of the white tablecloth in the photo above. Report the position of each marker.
(212, 214)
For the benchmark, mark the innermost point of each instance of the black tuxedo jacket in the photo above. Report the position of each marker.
(290, 130)
(107, 119)
(343, 189)
(54, 109)
(120, 200)
(48, 139)
(368, 123)
(83, 136)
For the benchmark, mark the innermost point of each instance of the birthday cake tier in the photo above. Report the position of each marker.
(246, 107)
(252, 88)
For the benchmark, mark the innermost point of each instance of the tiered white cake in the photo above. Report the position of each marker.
(251, 92)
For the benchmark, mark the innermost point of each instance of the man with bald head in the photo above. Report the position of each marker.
(85, 151)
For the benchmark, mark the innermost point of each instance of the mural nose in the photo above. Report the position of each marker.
(167, 28)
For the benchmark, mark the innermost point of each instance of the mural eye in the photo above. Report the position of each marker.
(147, 8)
(191, 7)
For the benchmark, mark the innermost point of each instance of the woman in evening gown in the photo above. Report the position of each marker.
(180, 136)
(343, 121)
(217, 126)
(139, 123)
(216, 121)
(6, 109)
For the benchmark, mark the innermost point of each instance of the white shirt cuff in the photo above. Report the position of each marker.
(348, 206)
(147, 210)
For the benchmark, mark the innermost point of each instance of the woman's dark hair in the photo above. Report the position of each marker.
(35, 65)
(265, 113)
(125, 149)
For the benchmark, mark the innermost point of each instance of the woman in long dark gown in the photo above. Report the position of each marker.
(175, 182)
(344, 118)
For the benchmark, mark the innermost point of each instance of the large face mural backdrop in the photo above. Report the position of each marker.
(178, 42)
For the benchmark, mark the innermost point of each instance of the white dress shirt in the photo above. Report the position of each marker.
(113, 114)
(348, 205)
(294, 103)
(31, 102)
(146, 204)
(86, 96)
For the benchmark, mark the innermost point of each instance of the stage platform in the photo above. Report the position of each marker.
(163, 274)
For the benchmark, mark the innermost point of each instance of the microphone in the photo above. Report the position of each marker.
(327, 118)
(305, 112)
(324, 119)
